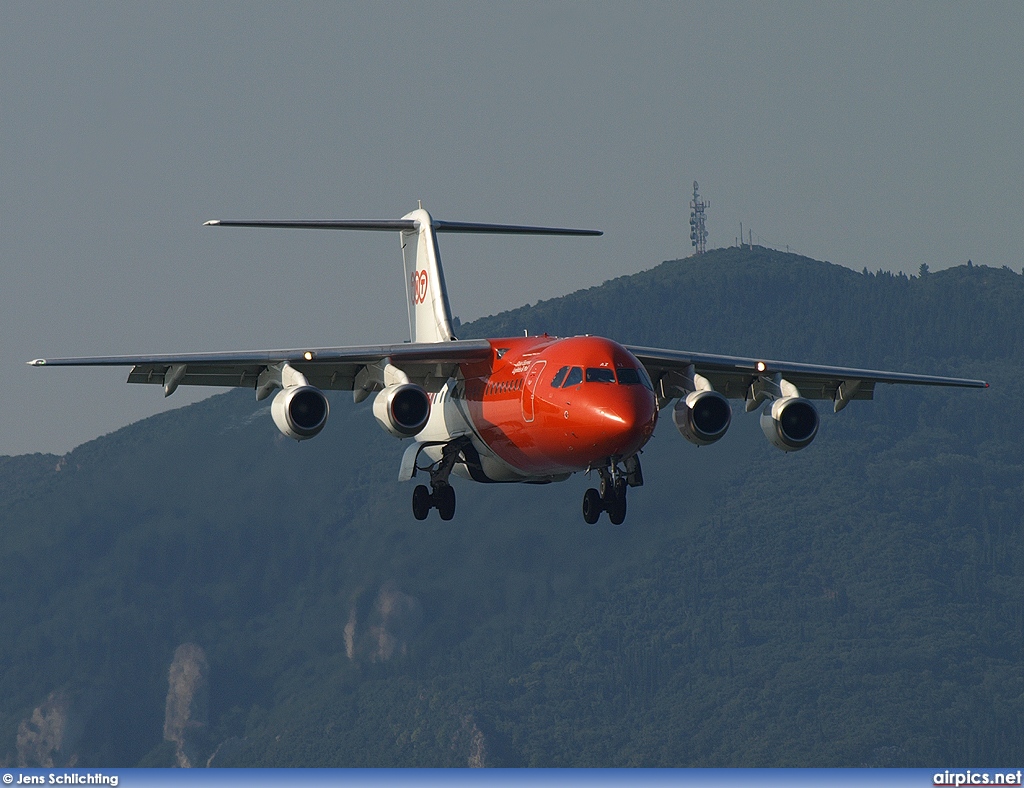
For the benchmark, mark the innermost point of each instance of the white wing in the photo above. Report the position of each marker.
(325, 368)
(744, 378)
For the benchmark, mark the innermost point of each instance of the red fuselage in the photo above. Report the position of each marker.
(548, 406)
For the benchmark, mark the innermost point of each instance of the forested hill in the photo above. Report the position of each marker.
(197, 589)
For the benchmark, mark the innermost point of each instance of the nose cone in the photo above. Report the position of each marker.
(615, 420)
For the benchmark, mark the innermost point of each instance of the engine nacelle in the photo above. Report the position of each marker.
(702, 416)
(402, 409)
(790, 423)
(300, 412)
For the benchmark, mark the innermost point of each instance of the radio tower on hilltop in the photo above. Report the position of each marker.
(698, 230)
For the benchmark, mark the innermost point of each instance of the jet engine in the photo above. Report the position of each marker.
(790, 423)
(702, 416)
(300, 412)
(402, 409)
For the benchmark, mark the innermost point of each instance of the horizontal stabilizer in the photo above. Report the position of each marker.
(315, 224)
(507, 229)
(401, 225)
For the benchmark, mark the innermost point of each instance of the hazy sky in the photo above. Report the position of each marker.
(873, 134)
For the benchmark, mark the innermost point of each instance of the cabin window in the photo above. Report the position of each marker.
(574, 377)
(600, 375)
(556, 381)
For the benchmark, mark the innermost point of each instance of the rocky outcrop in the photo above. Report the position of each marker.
(186, 714)
(475, 743)
(385, 629)
(49, 737)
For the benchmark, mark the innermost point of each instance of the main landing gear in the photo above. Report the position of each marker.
(442, 498)
(441, 495)
(611, 497)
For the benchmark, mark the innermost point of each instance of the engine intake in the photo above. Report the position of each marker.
(702, 416)
(402, 409)
(300, 412)
(790, 423)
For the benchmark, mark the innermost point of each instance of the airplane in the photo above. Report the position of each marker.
(533, 409)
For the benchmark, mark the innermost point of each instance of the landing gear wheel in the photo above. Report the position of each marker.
(615, 501)
(592, 506)
(444, 499)
(617, 509)
(421, 502)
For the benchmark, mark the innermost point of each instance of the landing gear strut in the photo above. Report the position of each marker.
(441, 495)
(611, 497)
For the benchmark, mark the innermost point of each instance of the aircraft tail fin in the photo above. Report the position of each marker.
(430, 318)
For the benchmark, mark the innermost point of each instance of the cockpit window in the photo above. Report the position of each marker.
(556, 381)
(574, 377)
(634, 377)
(600, 375)
(628, 377)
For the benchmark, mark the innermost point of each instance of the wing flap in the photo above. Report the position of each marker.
(736, 385)
(199, 374)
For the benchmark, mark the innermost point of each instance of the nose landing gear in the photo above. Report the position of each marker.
(611, 497)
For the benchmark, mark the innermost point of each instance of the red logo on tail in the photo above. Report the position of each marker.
(419, 286)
